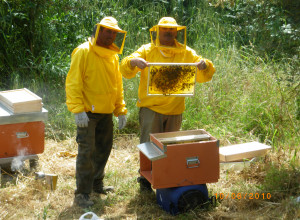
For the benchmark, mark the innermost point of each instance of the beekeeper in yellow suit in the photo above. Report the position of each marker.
(168, 45)
(94, 91)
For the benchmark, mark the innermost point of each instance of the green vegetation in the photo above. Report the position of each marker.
(254, 45)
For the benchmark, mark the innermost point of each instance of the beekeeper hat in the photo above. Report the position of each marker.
(111, 23)
(168, 22)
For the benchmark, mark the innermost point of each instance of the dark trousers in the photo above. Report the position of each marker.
(94, 147)
(153, 122)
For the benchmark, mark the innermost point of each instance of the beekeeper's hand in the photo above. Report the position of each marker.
(122, 121)
(81, 119)
(139, 62)
(201, 65)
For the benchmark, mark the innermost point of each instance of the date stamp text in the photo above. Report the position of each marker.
(222, 196)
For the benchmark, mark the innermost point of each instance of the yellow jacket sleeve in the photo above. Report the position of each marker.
(206, 74)
(74, 82)
(127, 71)
(120, 103)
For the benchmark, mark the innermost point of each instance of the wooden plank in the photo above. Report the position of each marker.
(184, 139)
(239, 152)
(21, 101)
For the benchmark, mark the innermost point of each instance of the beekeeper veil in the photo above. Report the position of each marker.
(168, 23)
(117, 39)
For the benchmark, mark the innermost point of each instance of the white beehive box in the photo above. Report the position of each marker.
(21, 101)
(239, 152)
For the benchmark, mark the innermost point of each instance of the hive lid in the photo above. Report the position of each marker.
(21, 101)
(239, 152)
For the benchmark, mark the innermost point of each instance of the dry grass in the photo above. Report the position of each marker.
(24, 197)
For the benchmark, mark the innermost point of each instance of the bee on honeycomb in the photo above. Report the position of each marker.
(171, 79)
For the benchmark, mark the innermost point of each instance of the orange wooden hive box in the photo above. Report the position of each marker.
(181, 158)
(22, 139)
(21, 133)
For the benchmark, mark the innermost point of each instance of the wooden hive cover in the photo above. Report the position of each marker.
(239, 152)
(21, 101)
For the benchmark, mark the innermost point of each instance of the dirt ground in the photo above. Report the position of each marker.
(22, 196)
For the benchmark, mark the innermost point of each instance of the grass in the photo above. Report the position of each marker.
(24, 197)
(246, 100)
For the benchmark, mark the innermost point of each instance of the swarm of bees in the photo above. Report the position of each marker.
(168, 80)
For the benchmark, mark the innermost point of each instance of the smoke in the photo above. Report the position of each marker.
(17, 163)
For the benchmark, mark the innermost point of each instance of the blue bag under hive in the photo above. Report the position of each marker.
(180, 199)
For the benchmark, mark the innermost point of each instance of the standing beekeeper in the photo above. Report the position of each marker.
(168, 45)
(94, 91)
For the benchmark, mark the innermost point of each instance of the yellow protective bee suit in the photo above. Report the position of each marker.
(94, 82)
(94, 93)
(167, 105)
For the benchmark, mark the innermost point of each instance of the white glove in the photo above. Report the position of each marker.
(81, 119)
(122, 121)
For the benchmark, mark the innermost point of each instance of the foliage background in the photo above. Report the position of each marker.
(253, 44)
(242, 38)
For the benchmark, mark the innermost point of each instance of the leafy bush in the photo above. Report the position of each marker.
(273, 26)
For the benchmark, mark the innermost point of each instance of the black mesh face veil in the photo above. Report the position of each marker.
(180, 38)
(153, 36)
(118, 42)
(94, 31)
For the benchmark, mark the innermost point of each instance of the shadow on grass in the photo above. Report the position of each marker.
(145, 206)
(75, 212)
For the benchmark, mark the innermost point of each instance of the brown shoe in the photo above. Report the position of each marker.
(104, 190)
(83, 200)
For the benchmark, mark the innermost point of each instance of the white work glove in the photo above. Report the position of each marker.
(81, 119)
(122, 121)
